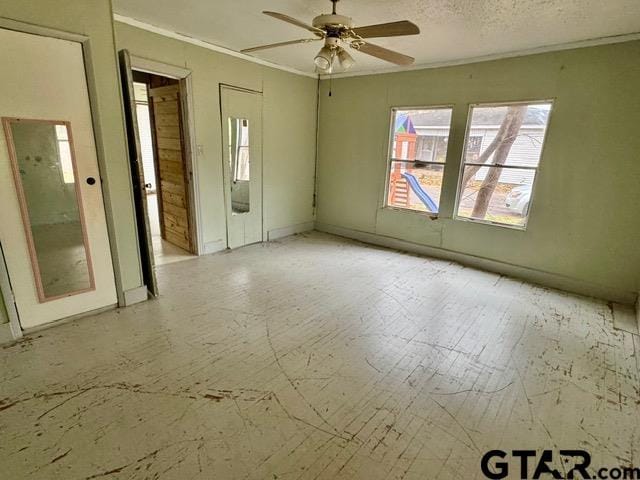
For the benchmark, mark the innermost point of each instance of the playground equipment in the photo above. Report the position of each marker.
(399, 191)
(401, 181)
(424, 197)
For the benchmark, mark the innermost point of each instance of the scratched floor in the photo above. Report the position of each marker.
(320, 358)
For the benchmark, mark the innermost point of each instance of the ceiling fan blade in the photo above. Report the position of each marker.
(385, 54)
(392, 29)
(280, 44)
(293, 21)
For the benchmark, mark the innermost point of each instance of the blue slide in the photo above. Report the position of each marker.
(422, 195)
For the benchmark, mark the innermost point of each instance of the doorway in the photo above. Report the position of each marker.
(165, 166)
(241, 114)
(167, 119)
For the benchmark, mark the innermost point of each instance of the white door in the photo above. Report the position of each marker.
(52, 222)
(242, 165)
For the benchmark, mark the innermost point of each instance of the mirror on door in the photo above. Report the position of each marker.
(43, 163)
(239, 165)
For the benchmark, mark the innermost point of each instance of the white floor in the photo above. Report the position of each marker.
(163, 251)
(320, 358)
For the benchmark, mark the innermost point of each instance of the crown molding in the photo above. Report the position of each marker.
(377, 71)
(628, 37)
(208, 45)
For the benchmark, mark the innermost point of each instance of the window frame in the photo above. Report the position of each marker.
(536, 169)
(389, 159)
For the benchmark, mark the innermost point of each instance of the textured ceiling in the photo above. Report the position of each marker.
(452, 30)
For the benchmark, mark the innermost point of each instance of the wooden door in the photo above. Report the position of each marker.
(173, 193)
(137, 174)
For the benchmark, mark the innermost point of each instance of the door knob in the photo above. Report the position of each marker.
(147, 185)
(91, 180)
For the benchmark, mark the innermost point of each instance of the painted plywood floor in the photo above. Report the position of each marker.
(163, 251)
(320, 358)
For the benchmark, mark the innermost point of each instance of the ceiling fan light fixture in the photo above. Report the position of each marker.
(335, 29)
(324, 58)
(346, 60)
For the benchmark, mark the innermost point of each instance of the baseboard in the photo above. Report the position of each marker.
(290, 230)
(546, 279)
(213, 247)
(135, 295)
(624, 318)
(62, 321)
(6, 335)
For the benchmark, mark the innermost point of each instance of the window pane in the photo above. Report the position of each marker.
(415, 186)
(495, 194)
(421, 134)
(507, 134)
(146, 144)
(140, 92)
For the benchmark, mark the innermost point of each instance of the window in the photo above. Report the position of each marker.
(418, 151)
(502, 153)
(432, 148)
(64, 150)
(473, 148)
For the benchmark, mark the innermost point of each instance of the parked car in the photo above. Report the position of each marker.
(518, 199)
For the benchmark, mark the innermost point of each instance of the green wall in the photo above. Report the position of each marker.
(289, 125)
(93, 19)
(584, 226)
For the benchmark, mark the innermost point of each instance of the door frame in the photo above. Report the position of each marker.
(183, 75)
(101, 156)
(227, 201)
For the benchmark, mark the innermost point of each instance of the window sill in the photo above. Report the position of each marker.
(430, 215)
(519, 228)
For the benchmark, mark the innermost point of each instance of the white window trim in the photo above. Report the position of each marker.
(462, 163)
(389, 158)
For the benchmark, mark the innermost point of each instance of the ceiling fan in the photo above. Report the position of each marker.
(337, 30)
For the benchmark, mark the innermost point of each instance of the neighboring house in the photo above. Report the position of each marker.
(433, 132)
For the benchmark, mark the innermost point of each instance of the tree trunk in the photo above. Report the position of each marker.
(469, 172)
(509, 128)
